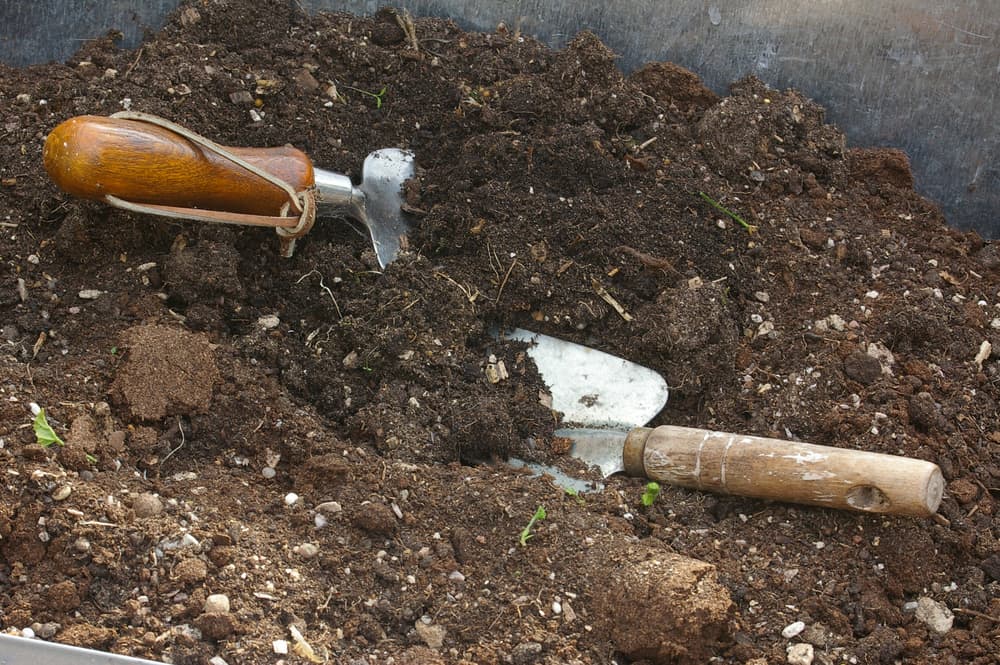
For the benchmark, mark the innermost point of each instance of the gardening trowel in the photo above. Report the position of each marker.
(146, 164)
(605, 401)
(24, 651)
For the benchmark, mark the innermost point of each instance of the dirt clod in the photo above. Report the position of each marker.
(375, 518)
(662, 607)
(168, 372)
(190, 571)
(64, 596)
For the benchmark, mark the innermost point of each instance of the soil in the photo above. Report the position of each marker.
(319, 440)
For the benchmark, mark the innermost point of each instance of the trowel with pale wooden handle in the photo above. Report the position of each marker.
(603, 399)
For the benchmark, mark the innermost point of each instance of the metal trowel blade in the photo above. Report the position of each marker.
(593, 389)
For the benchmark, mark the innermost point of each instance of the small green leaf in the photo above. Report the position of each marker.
(43, 431)
(526, 533)
(649, 496)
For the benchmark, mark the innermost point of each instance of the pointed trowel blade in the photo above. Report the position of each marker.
(593, 389)
(602, 448)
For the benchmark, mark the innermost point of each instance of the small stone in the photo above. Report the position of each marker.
(456, 576)
(306, 81)
(147, 505)
(62, 493)
(793, 629)
(291, 498)
(190, 571)
(431, 633)
(280, 647)
(935, 615)
(835, 322)
(269, 321)
(525, 653)
(765, 329)
(243, 97)
(217, 603)
(190, 16)
(306, 550)
(90, 294)
(800, 654)
(329, 507)
(215, 626)
(762, 296)
(81, 545)
(268, 472)
(47, 630)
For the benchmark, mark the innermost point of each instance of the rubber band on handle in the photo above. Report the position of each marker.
(288, 227)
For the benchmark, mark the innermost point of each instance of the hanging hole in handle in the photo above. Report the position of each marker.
(868, 498)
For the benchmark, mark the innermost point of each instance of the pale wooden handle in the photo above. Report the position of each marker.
(93, 156)
(780, 470)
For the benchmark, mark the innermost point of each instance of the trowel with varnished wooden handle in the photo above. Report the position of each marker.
(604, 399)
(147, 164)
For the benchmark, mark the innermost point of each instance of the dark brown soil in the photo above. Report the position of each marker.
(317, 439)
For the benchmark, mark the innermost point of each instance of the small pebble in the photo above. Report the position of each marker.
(456, 576)
(329, 507)
(147, 505)
(800, 654)
(291, 498)
(268, 472)
(280, 647)
(62, 493)
(27, 632)
(793, 629)
(268, 322)
(47, 630)
(306, 550)
(935, 615)
(319, 519)
(217, 603)
(90, 294)
(525, 653)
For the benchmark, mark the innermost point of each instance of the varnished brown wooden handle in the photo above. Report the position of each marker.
(780, 470)
(93, 156)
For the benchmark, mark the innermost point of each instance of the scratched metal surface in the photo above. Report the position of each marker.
(920, 75)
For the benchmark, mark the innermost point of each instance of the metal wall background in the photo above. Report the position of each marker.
(920, 75)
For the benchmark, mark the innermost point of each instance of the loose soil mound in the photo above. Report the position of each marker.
(319, 440)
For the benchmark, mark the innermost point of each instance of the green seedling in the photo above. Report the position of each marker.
(721, 208)
(44, 433)
(377, 96)
(526, 533)
(575, 494)
(649, 495)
